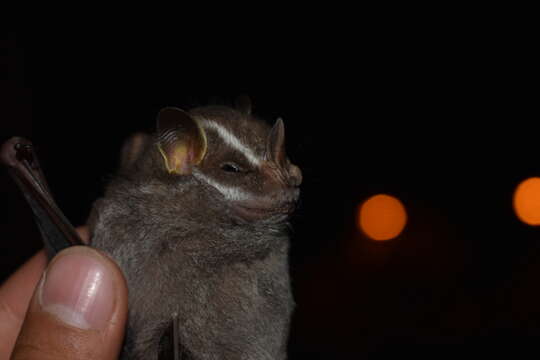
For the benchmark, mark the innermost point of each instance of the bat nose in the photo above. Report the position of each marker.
(295, 176)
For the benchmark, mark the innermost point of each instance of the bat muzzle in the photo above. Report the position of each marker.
(282, 203)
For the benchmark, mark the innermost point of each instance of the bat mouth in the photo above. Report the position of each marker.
(263, 210)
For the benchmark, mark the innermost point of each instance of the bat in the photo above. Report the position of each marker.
(197, 219)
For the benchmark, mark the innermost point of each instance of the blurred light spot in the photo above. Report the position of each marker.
(382, 217)
(527, 201)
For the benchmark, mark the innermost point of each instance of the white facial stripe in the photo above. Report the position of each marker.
(231, 140)
(229, 192)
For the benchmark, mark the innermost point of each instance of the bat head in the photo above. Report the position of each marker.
(226, 155)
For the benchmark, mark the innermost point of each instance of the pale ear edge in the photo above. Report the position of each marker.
(205, 141)
(165, 160)
(197, 162)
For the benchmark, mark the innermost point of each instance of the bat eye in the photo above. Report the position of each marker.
(231, 167)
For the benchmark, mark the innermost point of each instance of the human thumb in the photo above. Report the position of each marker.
(78, 310)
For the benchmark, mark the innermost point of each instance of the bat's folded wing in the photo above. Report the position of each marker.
(23, 165)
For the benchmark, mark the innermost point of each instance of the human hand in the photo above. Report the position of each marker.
(73, 308)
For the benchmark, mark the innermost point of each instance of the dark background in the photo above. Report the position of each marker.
(444, 122)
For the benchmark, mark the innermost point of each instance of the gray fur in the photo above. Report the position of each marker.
(184, 250)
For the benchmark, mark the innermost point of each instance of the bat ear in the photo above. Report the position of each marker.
(132, 149)
(180, 139)
(243, 104)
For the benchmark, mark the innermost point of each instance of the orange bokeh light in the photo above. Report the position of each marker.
(382, 217)
(527, 201)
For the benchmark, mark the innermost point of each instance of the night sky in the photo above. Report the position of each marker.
(448, 127)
